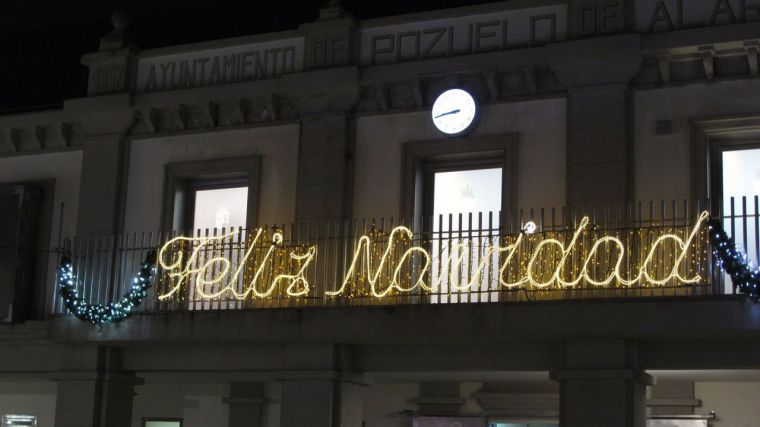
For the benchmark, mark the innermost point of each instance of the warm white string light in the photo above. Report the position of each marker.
(384, 267)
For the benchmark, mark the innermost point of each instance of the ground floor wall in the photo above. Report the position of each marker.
(734, 403)
(197, 404)
(384, 404)
(29, 398)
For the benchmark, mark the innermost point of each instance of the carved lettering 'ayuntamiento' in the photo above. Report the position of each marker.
(218, 69)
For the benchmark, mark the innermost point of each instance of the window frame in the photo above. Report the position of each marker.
(40, 292)
(717, 147)
(182, 179)
(709, 137)
(421, 159)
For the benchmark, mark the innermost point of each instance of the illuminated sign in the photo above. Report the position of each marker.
(260, 265)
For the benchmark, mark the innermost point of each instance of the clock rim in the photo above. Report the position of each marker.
(475, 119)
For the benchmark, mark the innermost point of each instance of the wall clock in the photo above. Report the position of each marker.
(455, 112)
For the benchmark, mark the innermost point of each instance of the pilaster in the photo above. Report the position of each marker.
(602, 385)
(321, 401)
(246, 403)
(324, 168)
(596, 73)
(93, 391)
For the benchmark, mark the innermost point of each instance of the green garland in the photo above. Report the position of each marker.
(99, 314)
(744, 275)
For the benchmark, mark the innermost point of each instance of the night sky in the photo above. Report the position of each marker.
(42, 41)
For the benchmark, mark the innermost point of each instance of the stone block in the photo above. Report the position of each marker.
(322, 167)
(597, 145)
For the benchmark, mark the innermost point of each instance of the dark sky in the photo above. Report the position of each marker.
(41, 41)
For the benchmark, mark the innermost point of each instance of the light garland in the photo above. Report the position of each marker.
(100, 314)
(391, 263)
(373, 277)
(183, 272)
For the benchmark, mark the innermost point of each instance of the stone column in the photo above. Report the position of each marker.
(599, 124)
(602, 385)
(93, 391)
(323, 168)
(321, 402)
(324, 164)
(112, 74)
(100, 186)
(246, 404)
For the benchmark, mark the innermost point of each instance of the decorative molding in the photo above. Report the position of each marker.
(65, 132)
(752, 48)
(519, 404)
(15, 137)
(663, 63)
(182, 116)
(253, 401)
(417, 91)
(381, 94)
(707, 53)
(492, 81)
(674, 402)
(40, 137)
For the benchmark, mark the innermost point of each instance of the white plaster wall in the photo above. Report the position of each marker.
(662, 162)
(65, 168)
(29, 398)
(383, 402)
(199, 405)
(540, 124)
(278, 146)
(734, 403)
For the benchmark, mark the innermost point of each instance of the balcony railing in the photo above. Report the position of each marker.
(471, 258)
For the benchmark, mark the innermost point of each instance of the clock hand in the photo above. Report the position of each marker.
(448, 113)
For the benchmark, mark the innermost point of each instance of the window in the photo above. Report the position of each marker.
(208, 198)
(18, 420)
(219, 208)
(26, 211)
(459, 193)
(725, 165)
(466, 207)
(740, 188)
(195, 192)
(162, 422)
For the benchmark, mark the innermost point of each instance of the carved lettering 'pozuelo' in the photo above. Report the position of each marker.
(450, 40)
(397, 266)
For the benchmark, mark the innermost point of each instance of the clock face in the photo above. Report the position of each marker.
(454, 111)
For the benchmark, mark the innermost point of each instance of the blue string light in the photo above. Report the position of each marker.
(744, 275)
(99, 314)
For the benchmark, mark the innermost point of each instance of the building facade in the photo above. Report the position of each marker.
(467, 145)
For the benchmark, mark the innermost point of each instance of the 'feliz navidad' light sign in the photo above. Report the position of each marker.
(394, 263)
